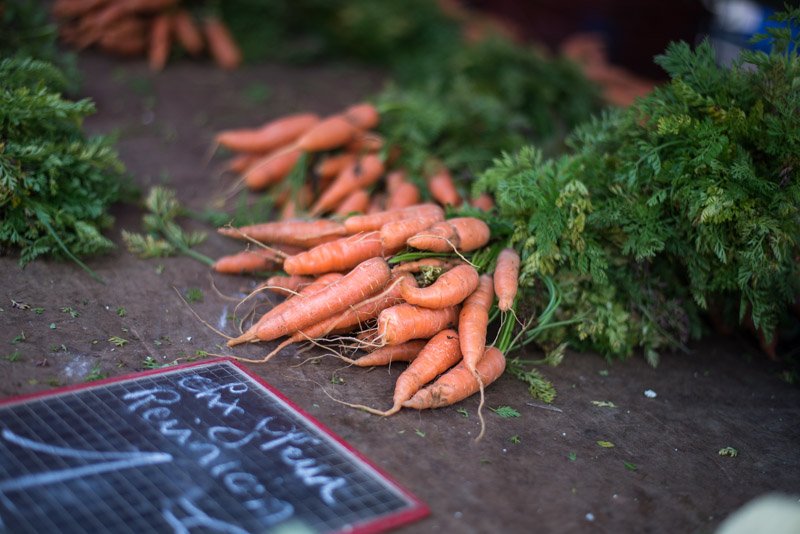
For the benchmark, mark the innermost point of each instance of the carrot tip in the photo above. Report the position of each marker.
(244, 338)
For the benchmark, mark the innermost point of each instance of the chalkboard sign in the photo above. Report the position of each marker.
(198, 448)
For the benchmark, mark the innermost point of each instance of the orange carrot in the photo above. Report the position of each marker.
(299, 233)
(395, 233)
(367, 223)
(338, 255)
(271, 136)
(443, 190)
(296, 203)
(333, 165)
(187, 33)
(269, 170)
(364, 280)
(406, 194)
(365, 172)
(404, 352)
(357, 201)
(459, 383)
(439, 354)
(506, 278)
(221, 44)
(332, 132)
(451, 288)
(394, 179)
(484, 202)
(287, 285)
(405, 322)
(159, 41)
(473, 320)
(364, 116)
(461, 233)
(118, 10)
(125, 37)
(248, 261)
(68, 9)
(354, 316)
(238, 164)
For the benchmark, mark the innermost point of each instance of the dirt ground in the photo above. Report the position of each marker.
(543, 470)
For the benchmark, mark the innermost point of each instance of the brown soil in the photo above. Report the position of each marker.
(543, 470)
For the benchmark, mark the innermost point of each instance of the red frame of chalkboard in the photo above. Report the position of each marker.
(418, 510)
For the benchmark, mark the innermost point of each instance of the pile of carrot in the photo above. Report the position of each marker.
(145, 27)
(368, 258)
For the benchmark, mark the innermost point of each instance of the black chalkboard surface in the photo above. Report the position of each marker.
(198, 448)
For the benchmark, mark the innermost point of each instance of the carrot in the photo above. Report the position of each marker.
(404, 352)
(287, 285)
(506, 278)
(159, 41)
(439, 354)
(248, 261)
(395, 233)
(406, 194)
(405, 322)
(117, 10)
(443, 190)
(484, 202)
(187, 33)
(332, 165)
(472, 323)
(364, 116)
(363, 173)
(461, 233)
(299, 233)
(364, 280)
(271, 136)
(238, 164)
(126, 37)
(221, 44)
(332, 132)
(394, 179)
(451, 288)
(338, 255)
(296, 203)
(357, 201)
(353, 316)
(269, 170)
(459, 383)
(367, 223)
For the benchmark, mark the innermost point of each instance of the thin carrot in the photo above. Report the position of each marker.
(248, 261)
(364, 280)
(352, 317)
(450, 289)
(271, 136)
(355, 202)
(443, 190)
(338, 255)
(404, 352)
(269, 170)
(221, 44)
(333, 165)
(394, 179)
(406, 194)
(439, 354)
(506, 278)
(472, 323)
(395, 233)
(461, 233)
(364, 115)
(118, 10)
(405, 322)
(367, 223)
(459, 383)
(363, 173)
(287, 285)
(299, 233)
(238, 164)
(187, 33)
(330, 133)
(160, 41)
